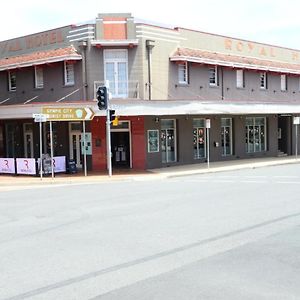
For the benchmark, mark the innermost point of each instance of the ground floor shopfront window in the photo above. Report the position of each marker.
(199, 138)
(226, 136)
(168, 140)
(255, 131)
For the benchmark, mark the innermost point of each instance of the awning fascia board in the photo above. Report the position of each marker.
(159, 108)
(40, 62)
(236, 65)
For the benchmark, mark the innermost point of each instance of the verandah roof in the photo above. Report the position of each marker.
(39, 58)
(233, 61)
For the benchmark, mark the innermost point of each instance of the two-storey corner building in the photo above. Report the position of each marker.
(167, 86)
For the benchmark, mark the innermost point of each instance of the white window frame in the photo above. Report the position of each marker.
(183, 73)
(68, 65)
(197, 156)
(213, 76)
(12, 88)
(175, 141)
(240, 83)
(263, 80)
(283, 82)
(249, 132)
(115, 61)
(39, 77)
(223, 129)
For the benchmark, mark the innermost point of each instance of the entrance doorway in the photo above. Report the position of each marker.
(121, 145)
(75, 143)
(284, 135)
(120, 148)
(28, 140)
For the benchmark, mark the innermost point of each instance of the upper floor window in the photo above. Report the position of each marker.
(69, 73)
(183, 73)
(213, 76)
(240, 83)
(12, 81)
(39, 77)
(263, 80)
(283, 82)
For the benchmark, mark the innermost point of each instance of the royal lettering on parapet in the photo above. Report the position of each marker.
(249, 48)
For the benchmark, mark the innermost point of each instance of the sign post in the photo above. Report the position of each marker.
(41, 118)
(51, 150)
(296, 122)
(108, 142)
(84, 147)
(207, 125)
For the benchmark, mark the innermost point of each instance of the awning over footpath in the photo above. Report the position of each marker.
(159, 108)
(233, 61)
(39, 58)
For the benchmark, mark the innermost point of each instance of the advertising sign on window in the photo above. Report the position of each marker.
(59, 164)
(7, 165)
(153, 141)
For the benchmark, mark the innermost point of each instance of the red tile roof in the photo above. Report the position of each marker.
(38, 58)
(235, 61)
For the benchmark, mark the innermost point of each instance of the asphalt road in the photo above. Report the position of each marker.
(231, 235)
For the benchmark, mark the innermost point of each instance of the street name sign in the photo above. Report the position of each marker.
(68, 113)
(39, 117)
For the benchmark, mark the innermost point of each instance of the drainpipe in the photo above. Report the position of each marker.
(149, 46)
(84, 75)
(222, 83)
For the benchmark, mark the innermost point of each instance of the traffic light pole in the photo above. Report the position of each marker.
(108, 143)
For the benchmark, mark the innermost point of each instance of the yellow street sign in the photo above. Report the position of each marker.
(68, 113)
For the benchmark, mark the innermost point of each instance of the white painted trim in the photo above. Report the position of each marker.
(115, 22)
(68, 83)
(80, 34)
(160, 39)
(160, 35)
(166, 30)
(84, 38)
(81, 29)
(10, 88)
(35, 78)
(115, 42)
(5, 100)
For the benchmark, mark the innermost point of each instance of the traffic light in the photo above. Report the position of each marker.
(112, 115)
(102, 97)
(113, 118)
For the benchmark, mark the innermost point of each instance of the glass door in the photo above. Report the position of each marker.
(168, 141)
(28, 140)
(75, 143)
(116, 73)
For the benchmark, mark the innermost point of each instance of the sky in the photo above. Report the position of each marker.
(273, 22)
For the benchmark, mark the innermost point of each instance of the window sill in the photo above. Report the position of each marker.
(69, 84)
(182, 84)
(213, 86)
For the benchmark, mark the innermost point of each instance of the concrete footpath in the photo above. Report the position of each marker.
(160, 173)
